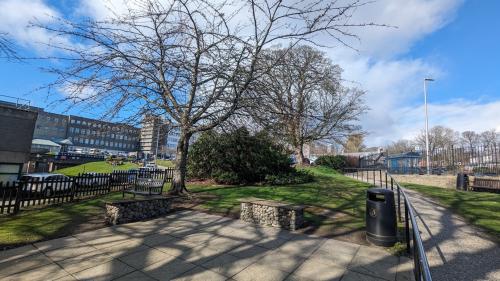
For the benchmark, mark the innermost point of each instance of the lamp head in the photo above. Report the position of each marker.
(428, 79)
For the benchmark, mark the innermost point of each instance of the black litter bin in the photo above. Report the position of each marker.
(380, 217)
(462, 181)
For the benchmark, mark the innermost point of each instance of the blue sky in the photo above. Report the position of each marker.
(457, 42)
(468, 50)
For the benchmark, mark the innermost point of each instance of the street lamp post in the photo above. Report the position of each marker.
(428, 158)
(157, 141)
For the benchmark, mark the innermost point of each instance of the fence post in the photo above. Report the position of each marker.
(399, 203)
(73, 189)
(386, 187)
(109, 182)
(380, 177)
(19, 192)
(407, 228)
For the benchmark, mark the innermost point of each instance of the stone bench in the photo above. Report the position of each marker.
(272, 213)
(125, 211)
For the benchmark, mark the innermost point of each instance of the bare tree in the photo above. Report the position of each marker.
(189, 61)
(300, 98)
(7, 47)
(400, 146)
(470, 138)
(439, 138)
(489, 138)
(354, 143)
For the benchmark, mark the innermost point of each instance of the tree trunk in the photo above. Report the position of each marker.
(179, 181)
(299, 155)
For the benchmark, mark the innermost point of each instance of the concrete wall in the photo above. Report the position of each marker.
(16, 133)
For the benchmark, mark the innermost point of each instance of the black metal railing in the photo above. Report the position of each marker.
(56, 189)
(413, 240)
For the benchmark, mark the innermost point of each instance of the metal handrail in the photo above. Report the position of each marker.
(419, 255)
(421, 268)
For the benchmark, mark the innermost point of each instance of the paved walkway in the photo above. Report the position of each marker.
(456, 250)
(190, 245)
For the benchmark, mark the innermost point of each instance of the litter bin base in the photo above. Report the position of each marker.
(378, 240)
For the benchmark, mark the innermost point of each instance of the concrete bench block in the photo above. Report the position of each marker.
(272, 213)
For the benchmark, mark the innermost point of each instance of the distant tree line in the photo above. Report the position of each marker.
(441, 137)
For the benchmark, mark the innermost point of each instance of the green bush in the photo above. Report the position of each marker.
(293, 177)
(237, 157)
(337, 162)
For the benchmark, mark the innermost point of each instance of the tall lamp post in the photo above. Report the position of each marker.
(428, 158)
(157, 141)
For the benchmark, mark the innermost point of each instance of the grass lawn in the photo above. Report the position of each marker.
(165, 163)
(56, 221)
(479, 208)
(96, 167)
(336, 206)
(335, 203)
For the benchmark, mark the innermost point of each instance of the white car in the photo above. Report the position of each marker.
(45, 183)
(150, 166)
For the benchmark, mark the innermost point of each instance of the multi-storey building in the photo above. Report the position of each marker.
(90, 135)
(157, 136)
(50, 126)
(94, 134)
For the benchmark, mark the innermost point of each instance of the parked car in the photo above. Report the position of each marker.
(45, 183)
(150, 165)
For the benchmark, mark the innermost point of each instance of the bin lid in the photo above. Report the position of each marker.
(379, 191)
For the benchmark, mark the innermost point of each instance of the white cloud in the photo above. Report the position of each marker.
(461, 115)
(16, 17)
(392, 81)
(412, 19)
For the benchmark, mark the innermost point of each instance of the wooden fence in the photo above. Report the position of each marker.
(18, 195)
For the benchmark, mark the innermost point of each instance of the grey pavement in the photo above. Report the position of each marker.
(455, 249)
(190, 245)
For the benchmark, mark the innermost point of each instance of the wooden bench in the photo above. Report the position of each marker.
(145, 186)
(486, 184)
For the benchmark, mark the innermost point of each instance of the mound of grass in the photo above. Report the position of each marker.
(165, 163)
(330, 190)
(479, 208)
(95, 167)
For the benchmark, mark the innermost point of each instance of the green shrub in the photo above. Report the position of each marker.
(236, 157)
(293, 177)
(337, 162)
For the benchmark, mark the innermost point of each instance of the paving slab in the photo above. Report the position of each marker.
(54, 244)
(261, 272)
(281, 260)
(17, 253)
(135, 276)
(356, 276)
(46, 272)
(228, 265)
(168, 270)
(319, 271)
(196, 246)
(23, 264)
(200, 273)
(69, 251)
(141, 259)
(82, 262)
(106, 271)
